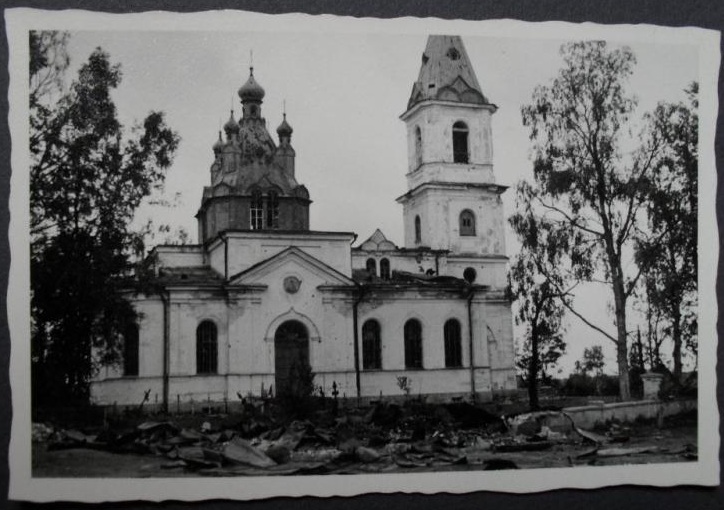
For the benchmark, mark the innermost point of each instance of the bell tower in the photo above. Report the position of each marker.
(452, 202)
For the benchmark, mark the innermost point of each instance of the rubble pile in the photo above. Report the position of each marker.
(385, 437)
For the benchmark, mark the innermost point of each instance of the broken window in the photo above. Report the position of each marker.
(418, 230)
(418, 146)
(413, 344)
(206, 348)
(467, 223)
(385, 269)
(130, 350)
(371, 345)
(453, 344)
(460, 142)
(371, 266)
(256, 211)
(272, 210)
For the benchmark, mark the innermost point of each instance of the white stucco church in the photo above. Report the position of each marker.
(262, 295)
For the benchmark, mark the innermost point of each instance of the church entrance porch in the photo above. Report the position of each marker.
(291, 358)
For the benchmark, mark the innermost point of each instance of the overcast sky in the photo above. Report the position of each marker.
(344, 93)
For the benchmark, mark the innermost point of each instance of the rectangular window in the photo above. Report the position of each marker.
(257, 217)
(130, 351)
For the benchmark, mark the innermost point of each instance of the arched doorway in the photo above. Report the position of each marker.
(291, 358)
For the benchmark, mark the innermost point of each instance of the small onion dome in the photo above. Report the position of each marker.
(219, 144)
(251, 90)
(231, 125)
(284, 128)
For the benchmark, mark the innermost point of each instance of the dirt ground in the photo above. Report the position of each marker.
(674, 443)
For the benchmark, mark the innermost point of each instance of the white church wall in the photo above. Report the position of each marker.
(245, 249)
(111, 385)
(435, 123)
(180, 256)
(186, 313)
(410, 262)
(439, 209)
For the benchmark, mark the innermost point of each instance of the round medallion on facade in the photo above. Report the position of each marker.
(292, 284)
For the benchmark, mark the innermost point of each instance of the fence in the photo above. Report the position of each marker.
(599, 414)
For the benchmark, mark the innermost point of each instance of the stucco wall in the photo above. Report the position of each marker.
(439, 210)
(180, 256)
(435, 122)
(589, 416)
(248, 249)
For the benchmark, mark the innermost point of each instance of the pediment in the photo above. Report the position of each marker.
(293, 260)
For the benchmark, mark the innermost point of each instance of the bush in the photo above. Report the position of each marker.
(584, 385)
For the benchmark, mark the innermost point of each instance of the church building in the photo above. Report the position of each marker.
(263, 299)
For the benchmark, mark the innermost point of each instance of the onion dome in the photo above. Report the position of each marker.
(251, 90)
(219, 144)
(284, 128)
(231, 125)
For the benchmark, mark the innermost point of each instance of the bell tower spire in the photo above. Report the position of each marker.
(452, 202)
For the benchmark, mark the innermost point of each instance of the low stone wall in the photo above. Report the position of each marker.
(589, 416)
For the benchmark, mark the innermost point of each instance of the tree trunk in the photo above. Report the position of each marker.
(533, 372)
(676, 333)
(619, 297)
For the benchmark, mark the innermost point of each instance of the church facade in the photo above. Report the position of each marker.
(263, 299)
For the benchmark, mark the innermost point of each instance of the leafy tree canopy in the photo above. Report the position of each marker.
(87, 177)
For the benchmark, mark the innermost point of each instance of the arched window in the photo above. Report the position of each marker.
(256, 211)
(467, 223)
(130, 350)
(371, 266)
(206, 348)
(272, 210)
(371, 345)
(418, 230)
(385, 269)
(418, 146)
(460, 142)
(453, 346)
(413, 344)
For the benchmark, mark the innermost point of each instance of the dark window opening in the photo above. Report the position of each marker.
(256, 211)
(453, 344)
(371, 346)
(272, 210)
(460, 142)
(130, 350)
(206, 348)
(413, 344)
(371, 266)
(385, 269)
(418, 230)
(467, 223)
(418, 146)
(470, 274)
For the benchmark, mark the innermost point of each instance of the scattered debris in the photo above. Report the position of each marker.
(239, 451)
(380, 438)
(615, 452)
(591, 436)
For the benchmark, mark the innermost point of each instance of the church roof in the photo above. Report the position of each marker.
(251, 90)
(446, 73)
(377, 242)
